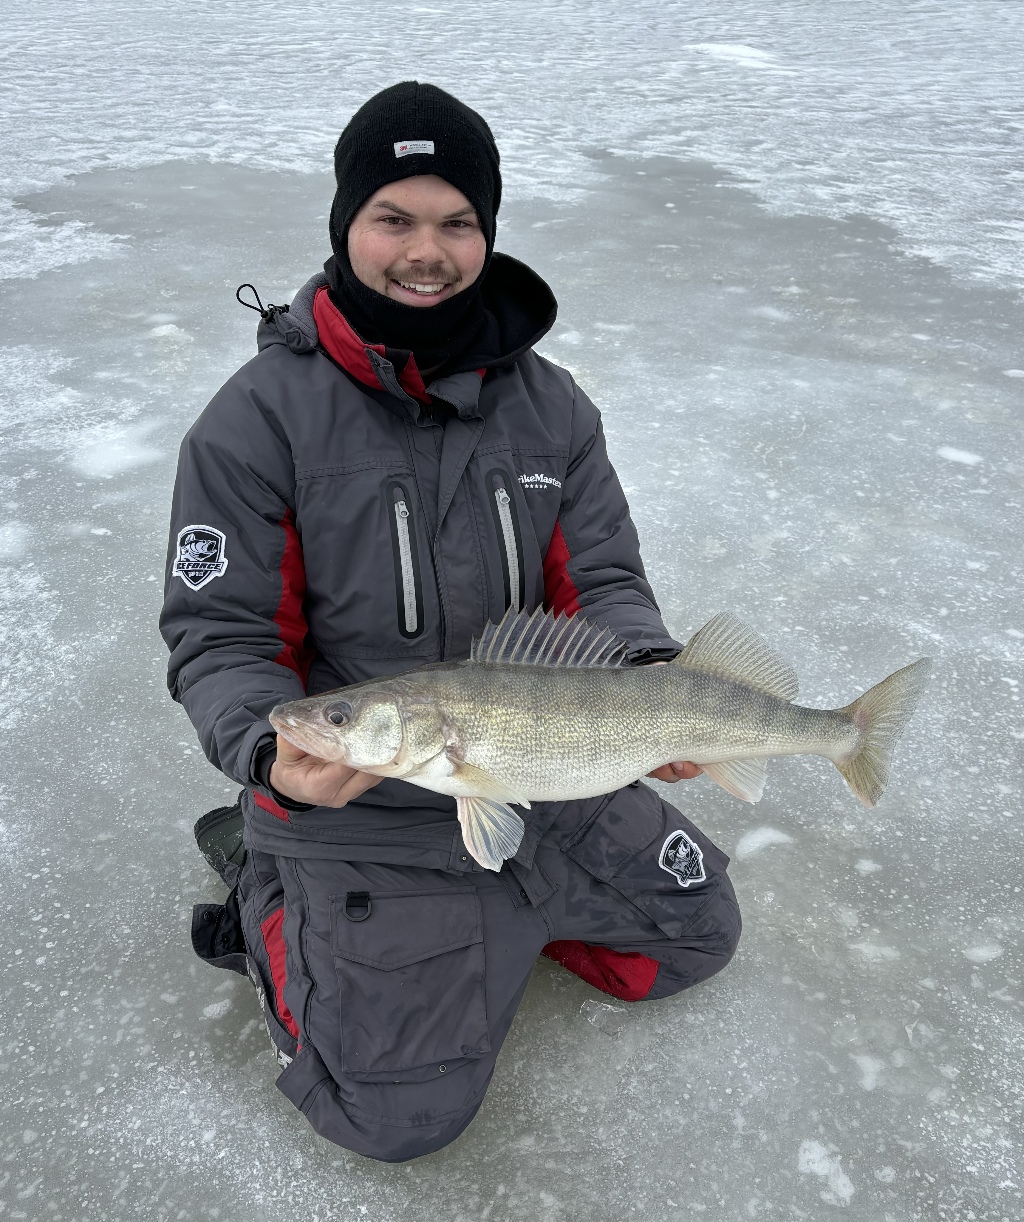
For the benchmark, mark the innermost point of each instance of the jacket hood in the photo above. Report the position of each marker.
(521, 306)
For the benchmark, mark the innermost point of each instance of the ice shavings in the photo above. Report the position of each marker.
(759, 839)
(871, 1069)
(983, 952)
(814, 1158)
(740, 54)
(966, 457)
(107, 450)
(875, 953)
(14, 538)
(89, 430)
(28, 248)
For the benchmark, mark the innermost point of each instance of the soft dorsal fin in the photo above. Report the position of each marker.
(543, 639)
(729, 649)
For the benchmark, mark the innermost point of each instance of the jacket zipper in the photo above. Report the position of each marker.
(407, 577)
(506, 523)
(508, 536)
(405, 558)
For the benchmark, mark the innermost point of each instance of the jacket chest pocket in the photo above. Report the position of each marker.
(408, 580)
(410, 968)
(508, 529)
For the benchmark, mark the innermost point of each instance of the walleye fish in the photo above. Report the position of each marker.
(544, 711)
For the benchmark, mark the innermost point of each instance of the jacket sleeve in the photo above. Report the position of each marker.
(593, 562)
(232, 615)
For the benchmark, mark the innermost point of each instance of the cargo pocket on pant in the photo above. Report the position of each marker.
(657, 861)
(410, 970)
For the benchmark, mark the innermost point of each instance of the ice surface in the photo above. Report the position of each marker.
(819, 432)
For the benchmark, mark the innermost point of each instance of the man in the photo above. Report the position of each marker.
(395, 468)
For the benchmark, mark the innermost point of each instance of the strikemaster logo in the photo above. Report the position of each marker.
(539, 481)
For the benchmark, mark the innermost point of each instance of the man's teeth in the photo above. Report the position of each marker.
(425, 289)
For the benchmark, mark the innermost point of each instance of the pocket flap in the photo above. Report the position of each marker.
(404, 927)
(623, 825)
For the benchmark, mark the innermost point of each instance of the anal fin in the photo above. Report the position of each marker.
(744, 779)
(491, 831)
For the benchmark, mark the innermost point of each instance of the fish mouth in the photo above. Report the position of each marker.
(301, 735)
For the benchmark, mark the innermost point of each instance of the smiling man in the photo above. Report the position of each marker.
(396, 467)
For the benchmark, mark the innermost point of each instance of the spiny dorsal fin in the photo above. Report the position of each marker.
(729, 649)
(543, 639)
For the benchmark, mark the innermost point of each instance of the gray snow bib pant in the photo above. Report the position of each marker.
(329, 527)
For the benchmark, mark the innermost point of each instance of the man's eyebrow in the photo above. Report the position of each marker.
(385, 205)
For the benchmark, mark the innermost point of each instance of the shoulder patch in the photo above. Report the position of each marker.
(681, 857)
(201, 556)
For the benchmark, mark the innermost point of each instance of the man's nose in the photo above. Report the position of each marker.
(424, 246)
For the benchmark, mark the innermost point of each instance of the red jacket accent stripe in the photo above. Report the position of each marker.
(341, 342)
(290, 620)
(412, 380)
(627, 975)
(269, 805)
(560, 593)
(274, 942)
(345, 347)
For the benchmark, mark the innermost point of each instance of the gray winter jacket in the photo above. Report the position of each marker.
(333, 520)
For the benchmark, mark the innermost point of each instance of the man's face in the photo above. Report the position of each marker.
(417, 241)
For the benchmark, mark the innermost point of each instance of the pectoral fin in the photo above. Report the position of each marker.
(744, 779)
(484, 785)
(491, 831)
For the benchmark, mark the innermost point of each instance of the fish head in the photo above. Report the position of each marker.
(360, 728)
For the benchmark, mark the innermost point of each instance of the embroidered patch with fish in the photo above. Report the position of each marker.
(681, 857)
(201, 556)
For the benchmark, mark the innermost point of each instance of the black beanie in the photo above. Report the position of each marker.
(401, 132)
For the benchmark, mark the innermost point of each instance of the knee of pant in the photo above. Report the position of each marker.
(701, 957)
(388, 1141)
(402, 1146)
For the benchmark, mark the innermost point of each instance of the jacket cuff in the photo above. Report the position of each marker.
(644, 655)
(263, 758)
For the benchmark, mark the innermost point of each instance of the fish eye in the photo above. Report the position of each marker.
(338, 714)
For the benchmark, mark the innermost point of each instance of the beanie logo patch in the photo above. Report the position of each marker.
(404, 148)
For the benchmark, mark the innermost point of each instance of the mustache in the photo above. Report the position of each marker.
(437, 273)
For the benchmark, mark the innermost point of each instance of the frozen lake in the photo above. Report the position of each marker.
(786, 244)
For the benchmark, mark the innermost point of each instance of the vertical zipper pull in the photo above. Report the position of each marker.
(410, 609)
(509, 542)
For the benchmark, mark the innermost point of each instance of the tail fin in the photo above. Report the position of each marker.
(881, 715)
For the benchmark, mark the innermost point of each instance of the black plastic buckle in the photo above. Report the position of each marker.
(357, 905)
